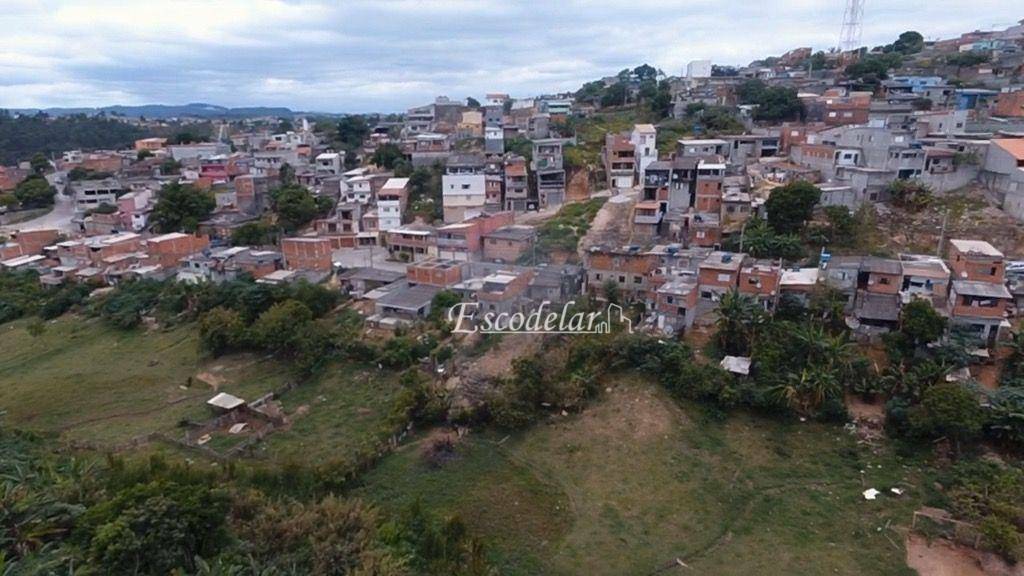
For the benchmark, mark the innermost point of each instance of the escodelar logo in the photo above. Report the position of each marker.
(544, 319)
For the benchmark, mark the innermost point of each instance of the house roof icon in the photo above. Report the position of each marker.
(615, 314)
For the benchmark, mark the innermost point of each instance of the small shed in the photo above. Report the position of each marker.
(224, 402)
(736, 364)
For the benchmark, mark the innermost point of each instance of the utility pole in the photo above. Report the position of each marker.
(942, 233)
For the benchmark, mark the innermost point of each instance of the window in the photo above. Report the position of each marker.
(883, 280)
(622, 279)
(637, 280)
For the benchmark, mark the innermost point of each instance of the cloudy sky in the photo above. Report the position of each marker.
(387, 55)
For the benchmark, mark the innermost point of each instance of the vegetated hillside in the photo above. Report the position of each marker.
(638, 481)
(193, 110)
(86, 381)
(23, 136)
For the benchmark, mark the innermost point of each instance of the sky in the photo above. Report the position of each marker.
(388, 55)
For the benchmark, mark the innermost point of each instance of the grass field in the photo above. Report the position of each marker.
(637, 482)
(334, 415)
(84, 380)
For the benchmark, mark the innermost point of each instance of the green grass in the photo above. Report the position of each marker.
(342, 411)
(564, 231)
(636, 482)
(86, 381)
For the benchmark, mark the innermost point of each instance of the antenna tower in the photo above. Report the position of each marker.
(849, 38)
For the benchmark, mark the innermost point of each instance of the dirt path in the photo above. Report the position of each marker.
(612, 225)
(943, 558)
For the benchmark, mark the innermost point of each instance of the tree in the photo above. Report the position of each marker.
(253, 234)
(281, 328)
(873, 68)
(948, 409)
(387, 155)
(441, 302)
(156, 528)
(909, 194)
(39, 163)
(221, 330)
(909, 42)
(774, 103)
(34, 192)
(645, 72)
(611, 291)
(739, 316)
(472, 102)
(921, 323)
(143, 154)
(614, 95)
(296, 206)
(352, 130)
(181, 207)
(921, 104)
(286, 174)
(790, 207)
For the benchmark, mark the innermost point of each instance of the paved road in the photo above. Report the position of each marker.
(58, 218)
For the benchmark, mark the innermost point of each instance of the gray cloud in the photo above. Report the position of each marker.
(387, 55)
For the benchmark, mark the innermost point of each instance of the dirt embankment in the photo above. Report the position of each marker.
(943, 558)
(613, 223)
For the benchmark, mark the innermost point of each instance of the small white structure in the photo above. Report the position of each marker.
(736, 365)
(225, 402)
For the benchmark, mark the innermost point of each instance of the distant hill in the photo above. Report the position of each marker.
(161, 111)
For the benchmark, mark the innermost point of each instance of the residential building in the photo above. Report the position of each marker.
(330, 164)
(167, 250)
(675, 306)
(925, 277)
(1009, 104)
(517, 186)
(463, 187)
(627, 267)
(412, 242)
(89, 194)
(464, 240)
(508, 243)
(980, 307)
(549, 170)
(391, 203)
(760, 280)
(619, 157)
(438, 272)
(976, 261)
(307, 253)
(719, 273)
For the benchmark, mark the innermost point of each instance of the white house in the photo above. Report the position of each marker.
(644, 139)
(391, 201)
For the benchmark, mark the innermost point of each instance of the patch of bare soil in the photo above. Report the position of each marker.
(968, 214)
(210, 379)
(944, 558)
(639, 414)
(497, 361)
(474, 376)
(440, 448)
(612, 224)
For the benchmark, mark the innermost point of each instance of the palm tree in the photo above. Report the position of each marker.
(739, 316)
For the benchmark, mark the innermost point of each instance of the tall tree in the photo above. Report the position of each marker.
(791, 206)
(181, 207)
